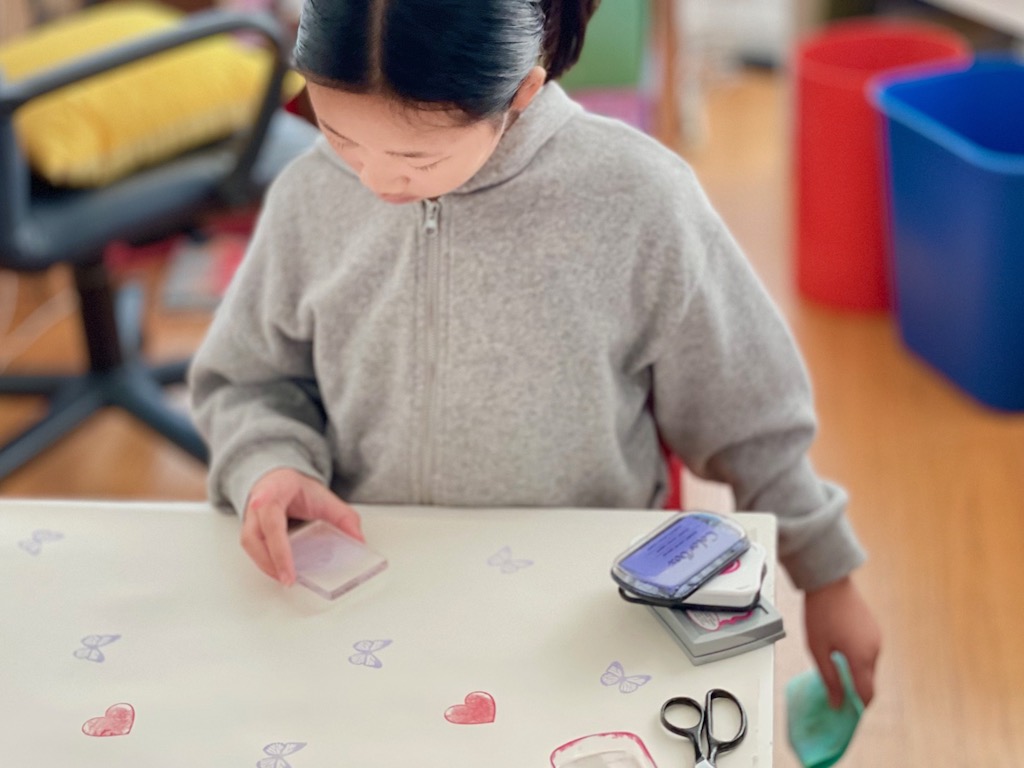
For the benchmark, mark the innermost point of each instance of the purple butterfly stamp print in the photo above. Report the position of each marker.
(91, 644)
(503, 560)
(35, 545)
(365, 653)
(616, 675)
(277, 751)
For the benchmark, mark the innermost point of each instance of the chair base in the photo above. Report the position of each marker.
(121, 381)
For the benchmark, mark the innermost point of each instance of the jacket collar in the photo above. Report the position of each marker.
(547, 113)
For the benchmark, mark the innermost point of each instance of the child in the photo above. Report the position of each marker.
(472, 293)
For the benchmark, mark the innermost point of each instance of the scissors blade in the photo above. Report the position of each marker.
(704, 763)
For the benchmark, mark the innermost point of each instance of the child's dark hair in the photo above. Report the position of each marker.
(469, 56)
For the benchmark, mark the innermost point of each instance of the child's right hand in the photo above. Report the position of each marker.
(278, 495)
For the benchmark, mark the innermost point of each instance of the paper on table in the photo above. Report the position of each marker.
(482, 644)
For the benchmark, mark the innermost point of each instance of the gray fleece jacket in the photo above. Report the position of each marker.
(522, 341)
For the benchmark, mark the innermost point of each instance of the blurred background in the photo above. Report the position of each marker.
(884, 217)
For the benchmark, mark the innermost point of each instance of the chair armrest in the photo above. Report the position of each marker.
(193, 28)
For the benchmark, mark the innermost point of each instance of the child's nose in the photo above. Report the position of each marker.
(382, 180)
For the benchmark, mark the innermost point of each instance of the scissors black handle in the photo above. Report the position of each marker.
(693, 732)
(717, 746)
(703, 730)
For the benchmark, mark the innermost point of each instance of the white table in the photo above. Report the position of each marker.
(219, 662)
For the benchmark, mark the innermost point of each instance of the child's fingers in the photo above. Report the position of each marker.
(265, 534)
(265, 525)
(829, 676)
(274, 526)
(339, 514)
(255, 546)
(863, 674)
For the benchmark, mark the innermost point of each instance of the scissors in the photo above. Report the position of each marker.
(703, 732)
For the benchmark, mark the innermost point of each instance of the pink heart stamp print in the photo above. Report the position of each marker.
(116, 721)
(477, 708)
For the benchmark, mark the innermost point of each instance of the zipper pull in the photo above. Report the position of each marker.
(433, 213)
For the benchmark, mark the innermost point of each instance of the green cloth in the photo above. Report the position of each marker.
(819, 734)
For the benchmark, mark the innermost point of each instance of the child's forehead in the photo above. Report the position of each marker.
(385, 118)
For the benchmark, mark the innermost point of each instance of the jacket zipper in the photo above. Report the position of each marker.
(431, 228)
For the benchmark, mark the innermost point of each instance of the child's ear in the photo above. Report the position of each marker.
(531, 86)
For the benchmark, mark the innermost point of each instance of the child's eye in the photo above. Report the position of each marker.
(339, 142)
(429, 167)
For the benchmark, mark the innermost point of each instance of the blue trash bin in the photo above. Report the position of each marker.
(955, 166)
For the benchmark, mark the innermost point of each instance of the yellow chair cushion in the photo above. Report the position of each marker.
(95, 131)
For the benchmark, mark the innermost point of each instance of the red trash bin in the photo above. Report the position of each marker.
(841, 254)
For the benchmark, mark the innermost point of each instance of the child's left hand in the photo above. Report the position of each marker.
(838, 619)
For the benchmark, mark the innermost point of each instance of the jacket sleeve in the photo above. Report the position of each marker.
(732, 396)
(253, 391)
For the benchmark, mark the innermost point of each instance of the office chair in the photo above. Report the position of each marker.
(43, 226)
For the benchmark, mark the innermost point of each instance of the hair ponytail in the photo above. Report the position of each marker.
(565, 26)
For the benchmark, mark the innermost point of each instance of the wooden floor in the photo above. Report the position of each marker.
(937, 481)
